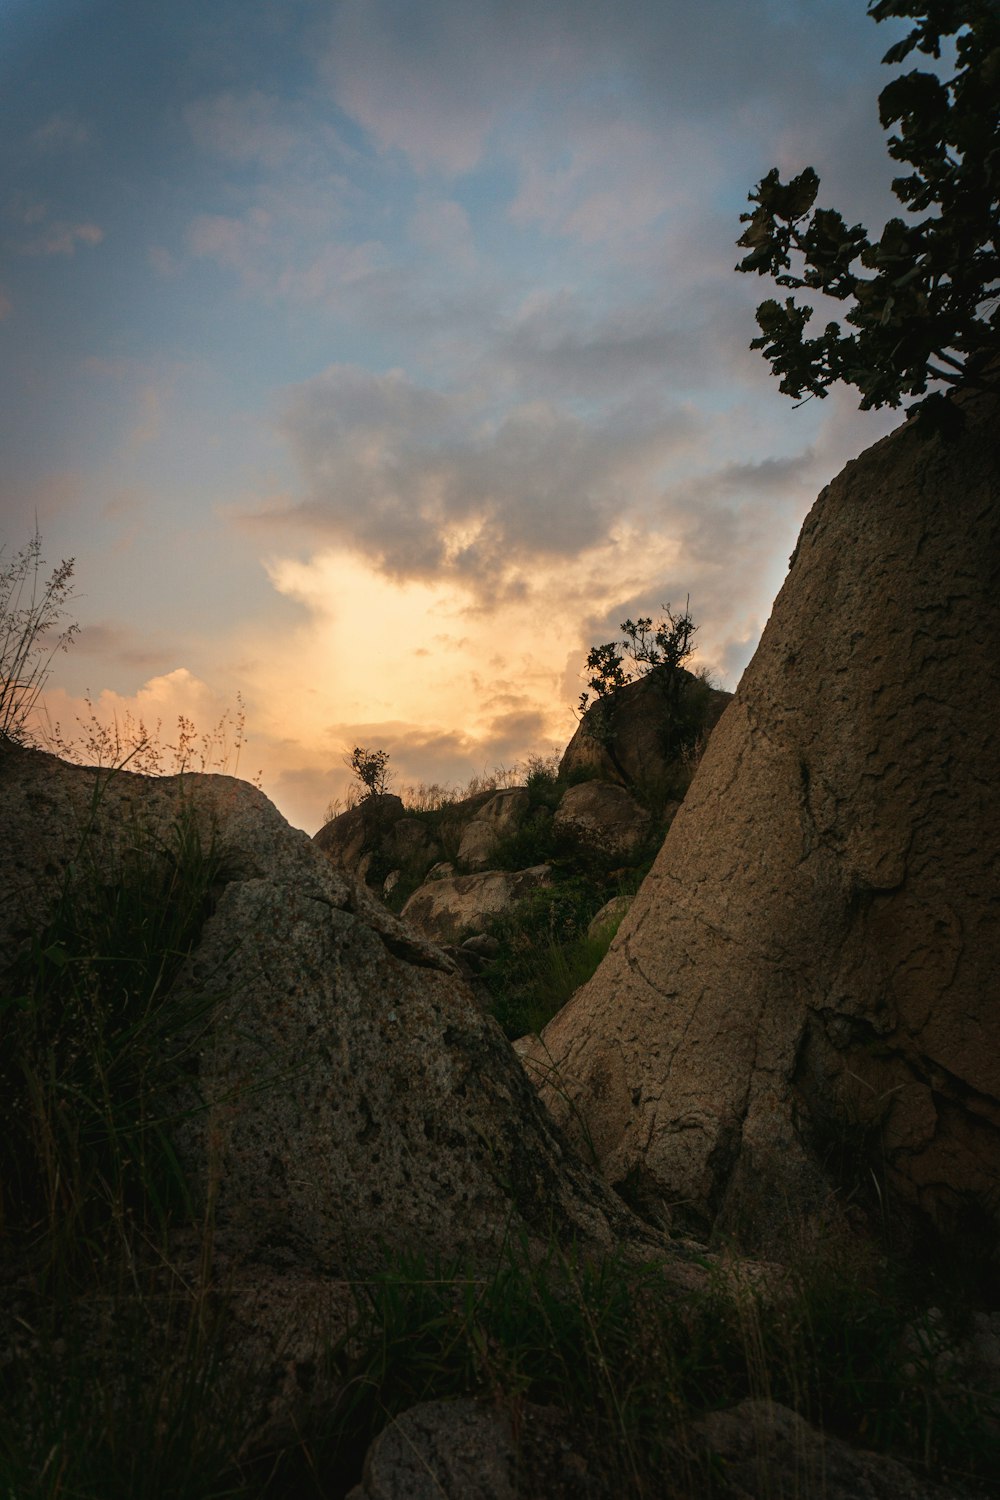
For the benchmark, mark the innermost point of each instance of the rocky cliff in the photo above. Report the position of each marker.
(802, 1006)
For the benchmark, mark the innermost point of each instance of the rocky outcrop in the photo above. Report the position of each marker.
(350, 835)
(635, 736)
(761, 1448)
(599, 815)
(446, 909)
(803, 997)
(501, 814)
(465, 1450)
(453, 1450)
(611, 913)
(351, 1098)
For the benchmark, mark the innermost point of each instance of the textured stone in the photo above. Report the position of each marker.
(813, 958)
(614, 910)
(602, 816)
(446, 909)
(763, 1449)
(502, 814)
(641, 755)
(347, 838)
(463, 1450)
(410, 844)
(355, 1099)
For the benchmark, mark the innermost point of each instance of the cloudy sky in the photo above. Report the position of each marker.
(374, 358)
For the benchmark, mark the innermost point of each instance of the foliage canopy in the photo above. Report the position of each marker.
(667, 645)
(371, 769)
(924, 297)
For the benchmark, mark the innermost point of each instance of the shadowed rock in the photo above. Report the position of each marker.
(351, 1098)
(447, 908)
(636, 737)
(804, 992)
(600, 815)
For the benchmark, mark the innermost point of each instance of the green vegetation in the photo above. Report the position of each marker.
(94, 1059)
(631, 1361)
(142, 1402)
(371, 770)
(666, 646)
(120, 1377)
(545, 952)
(924, 298)
(659, 652)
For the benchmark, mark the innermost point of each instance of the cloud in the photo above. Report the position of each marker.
(117, 643)
(148, 424)
(243, 128)
(516, 244)
(61, 132)
(428, 484)
(62, 238)
(162, 262)
(442, 226)
(637, 346)
(281, 252)
(570, 89)
(384, 63)
(227, 240)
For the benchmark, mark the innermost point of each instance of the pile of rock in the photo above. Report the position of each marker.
(446, 862)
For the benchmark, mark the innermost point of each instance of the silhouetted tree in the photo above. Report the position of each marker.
(924, 298)
(371, 767)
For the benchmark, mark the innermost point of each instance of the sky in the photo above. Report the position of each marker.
(373, 359)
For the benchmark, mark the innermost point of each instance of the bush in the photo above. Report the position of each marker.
(921, 299)
(371, 768)
(545, 953)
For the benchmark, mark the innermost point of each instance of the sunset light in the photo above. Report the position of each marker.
(374, 361)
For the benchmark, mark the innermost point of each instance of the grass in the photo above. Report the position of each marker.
(31, 612)
(121, 1377)
(532, 980)
(546, 951)
(93, 1057)
(633, 1365)
(121, 1390)
(141, 1401)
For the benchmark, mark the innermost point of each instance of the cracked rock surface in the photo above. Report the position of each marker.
(810, 971)
(351, 1099)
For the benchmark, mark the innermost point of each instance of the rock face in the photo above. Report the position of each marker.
(762, 1448)
(348, 836)
(503, 813)
(643, 753)
(603, 816)
(445, 909)
(356, 1100)
(805, 990)
(464, 1450)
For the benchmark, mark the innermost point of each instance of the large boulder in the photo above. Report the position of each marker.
(466, 1450)
(803, 998)
(447, 908)
(501, 815)
(638, 736)
(761, 1448)
(348, 837)
(601, 816)
(352, 1097)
